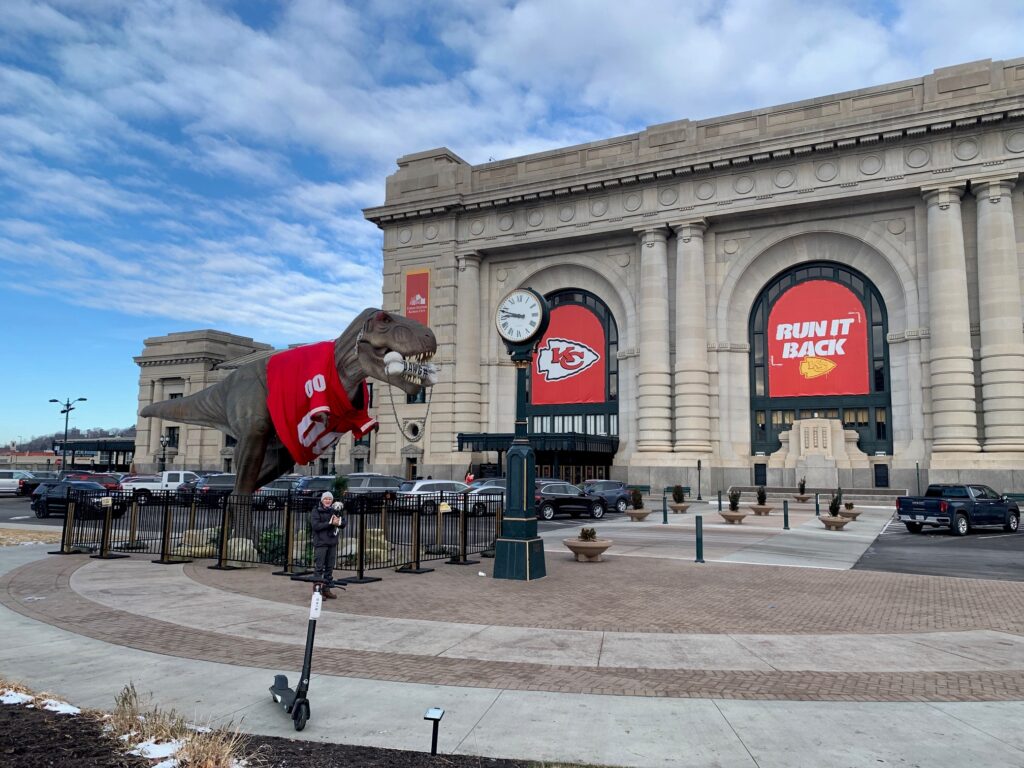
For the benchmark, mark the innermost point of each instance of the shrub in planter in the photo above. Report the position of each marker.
(802, 485)
(637, 499)
(848, 504)
(762, 496)
(588, 534)
(734, 500)
(677, 494)
(834, 503)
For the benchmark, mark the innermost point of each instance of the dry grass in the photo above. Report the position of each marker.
(202, 747)
(8, 685)
(13, 537)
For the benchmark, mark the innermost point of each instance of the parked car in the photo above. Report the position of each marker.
(553, 498)
(9, 479)
(434, 492)
(53, 498)
(273, 495)
(484, 494)
(615, 494)
(212, 491)
(959, 508)
(28, 484)
(106, 479)
(143, 487)
(74, 474)
(365, 482)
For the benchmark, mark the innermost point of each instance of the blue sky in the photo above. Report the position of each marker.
(173, 165)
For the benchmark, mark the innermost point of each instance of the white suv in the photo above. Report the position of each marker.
(434, 492)
(9, 480)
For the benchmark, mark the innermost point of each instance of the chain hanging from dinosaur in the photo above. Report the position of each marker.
(412, 370)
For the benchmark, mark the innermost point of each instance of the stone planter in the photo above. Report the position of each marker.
(803, 498)
(733, 517)
(850, 513)
(834, 523)
(587, 551)
(679, 508)
(636, 515)
(761, 509)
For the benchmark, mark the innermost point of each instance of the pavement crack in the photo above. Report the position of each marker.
(736, 734)
(473, 727)
(972, 726)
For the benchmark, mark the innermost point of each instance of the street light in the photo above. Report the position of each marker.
(164, 440)
(66, 409)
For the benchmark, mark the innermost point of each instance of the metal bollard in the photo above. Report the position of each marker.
(664, 508)
(700, 539)
(785, 515)
(719, 501)
(817, 506)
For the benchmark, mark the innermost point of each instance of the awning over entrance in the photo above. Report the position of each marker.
(565, 441)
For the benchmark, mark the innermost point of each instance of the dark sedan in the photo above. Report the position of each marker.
(51, 499)
(28, 484)
(615, 494)
(557, 497)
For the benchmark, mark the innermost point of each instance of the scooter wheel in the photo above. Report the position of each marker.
(301, 715)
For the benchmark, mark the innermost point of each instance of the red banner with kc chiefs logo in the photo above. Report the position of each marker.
(570, 365)
(817, 342)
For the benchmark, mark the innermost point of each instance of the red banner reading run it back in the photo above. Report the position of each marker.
(817, 342)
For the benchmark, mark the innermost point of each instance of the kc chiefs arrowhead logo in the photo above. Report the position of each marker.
(562, 358)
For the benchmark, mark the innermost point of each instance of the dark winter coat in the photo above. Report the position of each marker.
(325, 534)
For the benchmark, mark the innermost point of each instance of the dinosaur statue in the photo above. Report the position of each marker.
(292, 406)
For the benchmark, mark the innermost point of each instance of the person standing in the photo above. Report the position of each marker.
(326, 522)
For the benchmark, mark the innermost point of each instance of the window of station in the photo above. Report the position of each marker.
(866, 410)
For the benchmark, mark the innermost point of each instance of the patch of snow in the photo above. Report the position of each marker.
(199, 728)
(154, 750)
(61, 707)
(11, 697)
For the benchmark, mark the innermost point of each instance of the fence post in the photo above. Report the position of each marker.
(414, 567)
(785, 514)
(664, 507)
(700, 538)
(289, 541)
(165, 541)
(192, 513)
(107, 504)
(719, 501)
(460, 557)
(360, 577)
(67, 535)
(817, 506)
(225, 531)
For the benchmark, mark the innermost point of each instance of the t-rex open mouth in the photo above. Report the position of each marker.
(413, 368)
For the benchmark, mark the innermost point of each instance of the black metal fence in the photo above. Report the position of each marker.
(382, 530)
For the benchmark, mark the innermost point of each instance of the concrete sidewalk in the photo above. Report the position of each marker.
(700, 658)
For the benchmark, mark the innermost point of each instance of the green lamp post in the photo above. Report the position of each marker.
(521, 319)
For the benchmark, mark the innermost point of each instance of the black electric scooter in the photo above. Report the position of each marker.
(295, 702)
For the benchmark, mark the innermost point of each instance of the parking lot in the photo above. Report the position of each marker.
(983, 554)
(16, 509)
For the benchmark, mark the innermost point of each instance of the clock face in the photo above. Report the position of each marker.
(518, 317)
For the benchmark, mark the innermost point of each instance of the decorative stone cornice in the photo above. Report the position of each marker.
(149, 362)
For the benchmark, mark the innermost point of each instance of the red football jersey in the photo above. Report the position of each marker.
(307, 403)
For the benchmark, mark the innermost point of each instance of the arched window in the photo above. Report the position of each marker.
(592, 418)
(868, 412)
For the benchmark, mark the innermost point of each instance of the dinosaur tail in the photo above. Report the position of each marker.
(205, 408)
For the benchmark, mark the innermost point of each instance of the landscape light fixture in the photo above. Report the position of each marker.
(66, 408)
(434, 714)
(164, 440)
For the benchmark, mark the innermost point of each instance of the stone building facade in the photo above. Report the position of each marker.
(688, 241)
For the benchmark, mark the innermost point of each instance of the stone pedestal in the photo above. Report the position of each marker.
(817, 449)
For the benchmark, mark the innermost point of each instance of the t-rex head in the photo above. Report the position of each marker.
(396, 350)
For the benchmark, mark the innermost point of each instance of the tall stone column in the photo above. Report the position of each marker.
(954, 419)
(654, 382)
(466, 408)
(1002, 341)
(692, 391)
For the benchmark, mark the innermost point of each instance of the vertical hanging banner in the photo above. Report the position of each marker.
(817, 342)
(570, 365)
(417, 295)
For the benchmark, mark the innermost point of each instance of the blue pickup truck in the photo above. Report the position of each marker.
(959, 508)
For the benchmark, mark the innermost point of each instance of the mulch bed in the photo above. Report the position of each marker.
(36, 738)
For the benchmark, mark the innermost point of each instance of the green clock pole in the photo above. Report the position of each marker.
(518, 550)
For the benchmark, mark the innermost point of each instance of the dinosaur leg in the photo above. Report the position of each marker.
(277, 462)
(250, 453)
